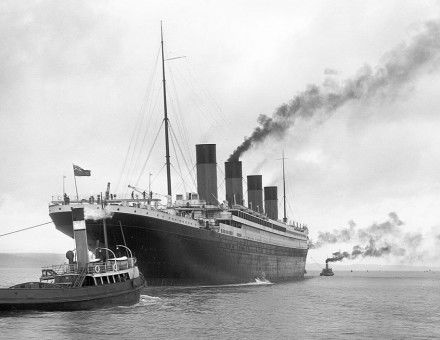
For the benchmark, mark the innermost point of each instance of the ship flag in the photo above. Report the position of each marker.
(78, 171)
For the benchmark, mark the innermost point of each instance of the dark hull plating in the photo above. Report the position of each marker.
(174, 254)
(82, 298)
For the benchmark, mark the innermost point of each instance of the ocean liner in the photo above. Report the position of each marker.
(195, 238)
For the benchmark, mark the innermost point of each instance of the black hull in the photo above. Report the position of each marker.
(70, 299)
(170, 253)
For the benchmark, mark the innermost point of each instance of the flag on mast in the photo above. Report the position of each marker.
(78, 171)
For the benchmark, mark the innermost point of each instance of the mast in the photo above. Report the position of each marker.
(167, 143)
(284, 192)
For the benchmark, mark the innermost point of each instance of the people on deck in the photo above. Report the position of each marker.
(66, 199)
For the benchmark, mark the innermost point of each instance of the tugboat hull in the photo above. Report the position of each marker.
(67, 299)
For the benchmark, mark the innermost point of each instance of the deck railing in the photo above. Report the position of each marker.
(110, 265)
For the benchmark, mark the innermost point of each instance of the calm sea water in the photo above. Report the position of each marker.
(371, 305)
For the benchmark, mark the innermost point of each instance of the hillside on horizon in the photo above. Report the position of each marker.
(313, 266)
(30, 260)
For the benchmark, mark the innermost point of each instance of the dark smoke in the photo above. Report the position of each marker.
(377, 240)
(376, 232)
(342, 235)
(370, 250)
(338, 256)
(399, 67)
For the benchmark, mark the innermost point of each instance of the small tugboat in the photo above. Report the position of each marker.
(327, 271)
(81, 284)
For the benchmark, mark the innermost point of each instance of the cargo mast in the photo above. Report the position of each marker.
(167, 143)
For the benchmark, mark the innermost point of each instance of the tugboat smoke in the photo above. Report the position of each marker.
(399, 67)
(376, 232)
(371, 250)
(376, 240)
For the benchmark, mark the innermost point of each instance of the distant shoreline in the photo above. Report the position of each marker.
(30, 260)
(372, 267)
(33, 259)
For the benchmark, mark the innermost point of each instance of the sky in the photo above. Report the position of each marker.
(80, 83)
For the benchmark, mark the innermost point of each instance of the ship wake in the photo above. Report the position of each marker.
(147, 300)
(256, 282)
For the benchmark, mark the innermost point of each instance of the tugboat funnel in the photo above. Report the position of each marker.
(80, 235)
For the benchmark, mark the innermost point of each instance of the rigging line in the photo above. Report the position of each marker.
(195, 101)
(194, 74)
(184, 159)
(177, 161)
(291, 212)
(289, 191)
(136, 155)
(200, 107)
(183, 130)
(146, 95)
(137, 151)
(148, 157)
(220, 168)
(203, 91)
(183, 181)
(222, 183)
(144, 141)
(157, 175)
(149, 154)
(23, 229)
(222, 186)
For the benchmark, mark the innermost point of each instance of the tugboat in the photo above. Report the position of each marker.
(81, 284)
(327, 271)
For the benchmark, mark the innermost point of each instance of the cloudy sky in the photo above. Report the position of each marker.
(79, 82)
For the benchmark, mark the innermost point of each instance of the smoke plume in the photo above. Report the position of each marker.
(374, 232)
(376, 240)
(399, 67)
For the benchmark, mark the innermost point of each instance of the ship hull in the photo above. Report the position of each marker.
(170, 253)
(63, 299)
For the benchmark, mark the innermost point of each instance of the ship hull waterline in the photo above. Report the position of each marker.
(70, 299)
(170, 253)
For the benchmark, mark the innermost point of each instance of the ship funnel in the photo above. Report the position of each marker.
(80, 235)
(255, 192)
(234, 182)
(207, 173)
(271, 202)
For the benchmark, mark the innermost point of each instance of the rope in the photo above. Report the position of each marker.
(181, 125)
(149, 154)
(16, 231)
(178, 163)
(183, 156)
(157, 175)
(139, 120)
